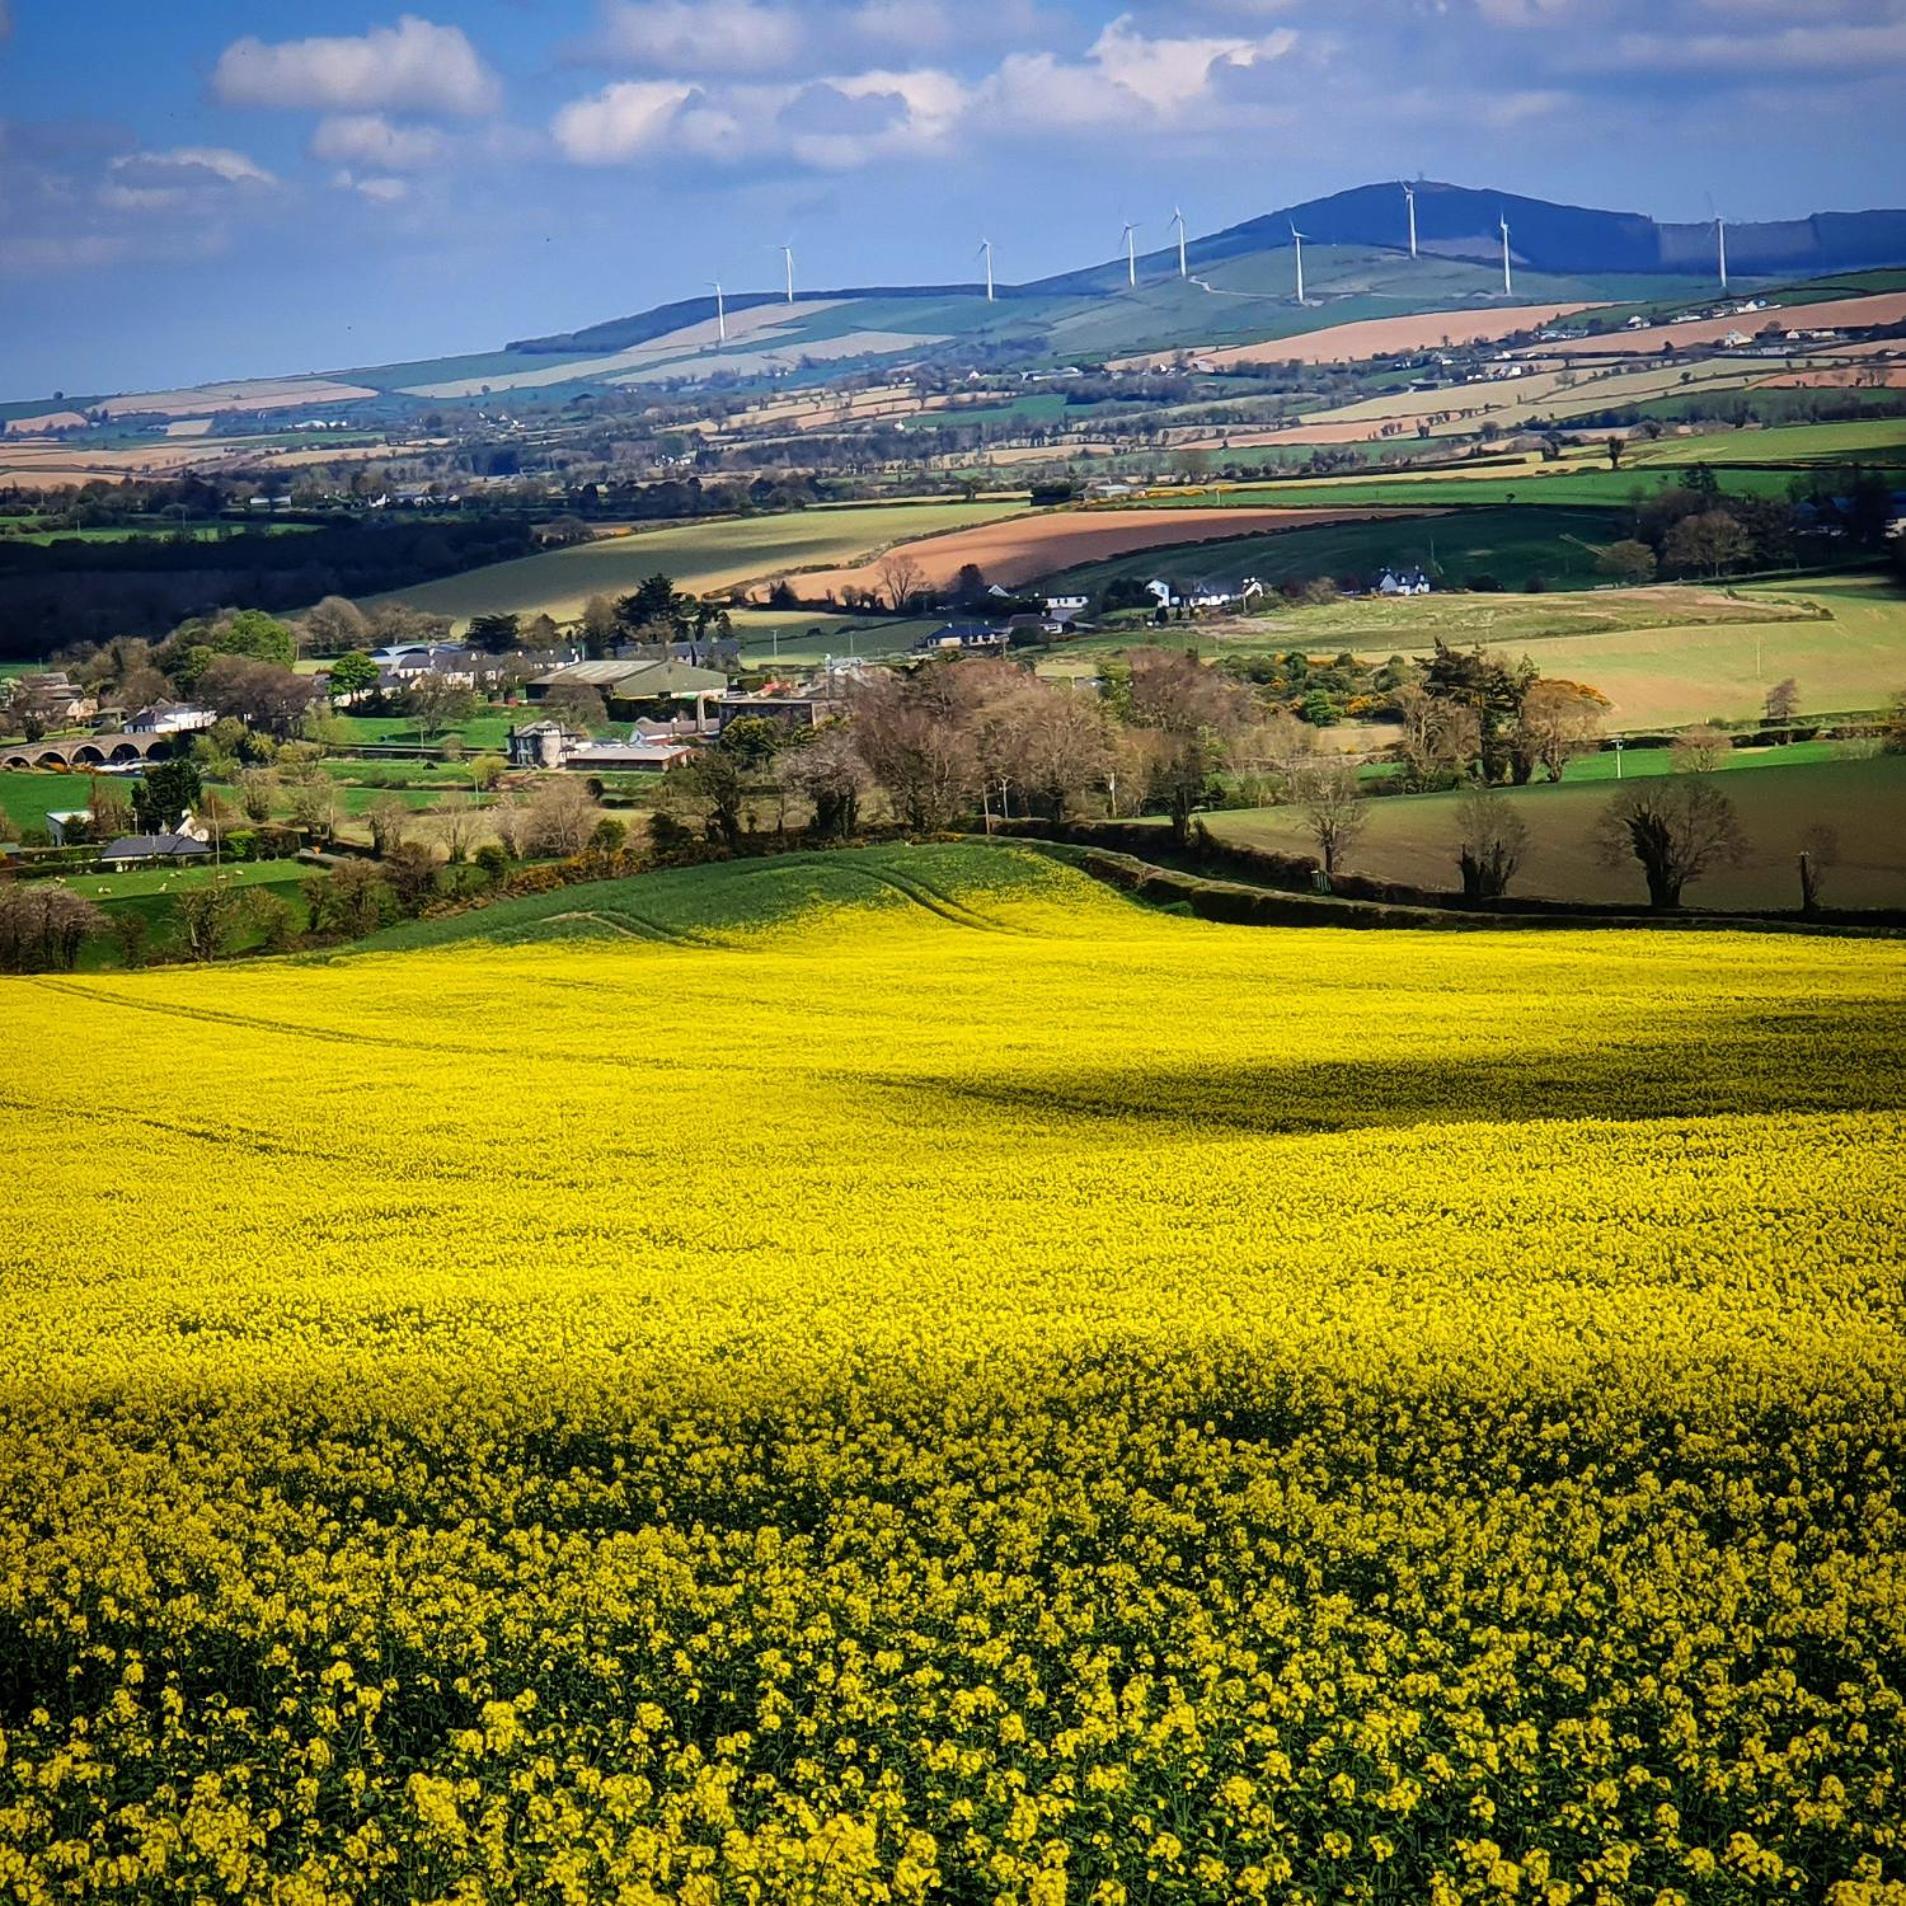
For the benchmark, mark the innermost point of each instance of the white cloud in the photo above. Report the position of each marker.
(369, 139)
(702, 36)
(622, 122)
(146, 181)
(841, 120)
(379, 189)
(415, 64)
(1123, 70)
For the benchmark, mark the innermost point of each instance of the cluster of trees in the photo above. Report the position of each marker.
(54, 593)
(43, 926)
(1697, 529)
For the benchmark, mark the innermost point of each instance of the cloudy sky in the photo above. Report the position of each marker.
(224, 189)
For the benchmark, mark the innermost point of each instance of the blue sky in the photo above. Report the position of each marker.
(224, 189)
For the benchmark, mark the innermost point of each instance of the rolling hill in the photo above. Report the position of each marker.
(1238, 288)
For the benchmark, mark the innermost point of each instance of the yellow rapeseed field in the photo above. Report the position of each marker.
(1104, 1410)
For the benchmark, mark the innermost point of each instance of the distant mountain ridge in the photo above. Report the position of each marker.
(1456, 222)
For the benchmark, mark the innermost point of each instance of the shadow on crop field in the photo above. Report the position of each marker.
(1733, 1064)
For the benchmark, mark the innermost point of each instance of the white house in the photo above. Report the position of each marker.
(1403, 582)
(170, 718)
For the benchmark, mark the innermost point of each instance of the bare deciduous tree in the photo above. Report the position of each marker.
(1700, 750)
(457, 828)
(902, 579)
(830, 775)
(1491, 840)
(1678, 827)
(1558, 720)
(562, 816)
(1334, 809)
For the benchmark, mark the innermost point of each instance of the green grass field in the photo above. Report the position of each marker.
(800, 638)
(1666, 657)
(1412, 837)
(1552, 486)
(1512, 544)
(1877, 438)
(27, 799)
(701, 556)
(153, 892)
(486, 733)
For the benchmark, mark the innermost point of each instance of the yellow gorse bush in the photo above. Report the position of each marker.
(1103, 1411)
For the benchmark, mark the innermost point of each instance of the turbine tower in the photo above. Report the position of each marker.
(787, 259)
(1130, 236)
(1508, 281)
(1297, 238)
(1178, 219)
(721, 317)
(1409, 199)
(986, 252)
(1720, 245)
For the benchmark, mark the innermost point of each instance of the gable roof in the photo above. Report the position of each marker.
(152, 847)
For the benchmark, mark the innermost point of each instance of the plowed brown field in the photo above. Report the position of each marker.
(1385, 337)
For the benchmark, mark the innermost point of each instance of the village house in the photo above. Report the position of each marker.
(169, 718)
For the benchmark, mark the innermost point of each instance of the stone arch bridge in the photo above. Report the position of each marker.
(92, 751)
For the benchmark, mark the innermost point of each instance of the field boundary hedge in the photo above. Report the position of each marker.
(1270, 889)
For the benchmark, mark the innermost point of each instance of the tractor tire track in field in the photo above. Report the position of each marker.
(912, 887)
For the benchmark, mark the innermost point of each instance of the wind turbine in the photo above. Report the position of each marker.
(986, 251)
(1409, 198)
(1178, 219)
(1508, 281)
(721, 316)
(1130, 236)
(1720, 245)
(1297, 238)
(787, 259)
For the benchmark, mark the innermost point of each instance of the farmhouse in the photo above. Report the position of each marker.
(140, 850)
(1403, 582)
(541, 744)
(965, 638)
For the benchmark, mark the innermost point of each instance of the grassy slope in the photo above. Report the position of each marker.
(700, 556)
(958, 882)
(1412, 837)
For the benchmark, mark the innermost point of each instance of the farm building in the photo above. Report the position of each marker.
(638, 755)
(657, 690)
(1403, 582)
